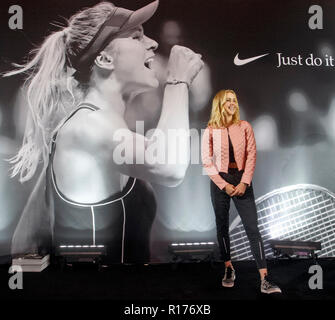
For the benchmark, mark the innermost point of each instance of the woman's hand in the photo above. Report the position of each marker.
(184, 64)
(239, 190)
(230, 189)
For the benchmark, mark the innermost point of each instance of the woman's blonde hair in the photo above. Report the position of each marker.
(217, 118)
(52, 91)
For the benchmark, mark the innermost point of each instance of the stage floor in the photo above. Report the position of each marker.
(165, 282)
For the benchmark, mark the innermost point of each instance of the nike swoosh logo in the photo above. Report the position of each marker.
(241, 62)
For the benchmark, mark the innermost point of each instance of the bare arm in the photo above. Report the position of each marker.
(162, 156)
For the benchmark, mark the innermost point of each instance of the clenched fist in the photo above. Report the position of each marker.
(184, 64)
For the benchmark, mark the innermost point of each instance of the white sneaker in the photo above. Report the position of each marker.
(268, 286)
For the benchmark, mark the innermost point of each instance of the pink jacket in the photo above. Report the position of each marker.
(215, 143)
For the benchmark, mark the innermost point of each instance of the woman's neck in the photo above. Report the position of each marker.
(106, 96)
(228, 120)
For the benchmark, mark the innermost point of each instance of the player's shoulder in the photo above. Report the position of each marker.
(91, 130)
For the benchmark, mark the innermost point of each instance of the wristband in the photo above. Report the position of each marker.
(174, 82)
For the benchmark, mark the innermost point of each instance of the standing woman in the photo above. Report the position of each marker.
(231, 141)
(80, 83)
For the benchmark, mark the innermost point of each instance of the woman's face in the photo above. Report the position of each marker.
(230, 105)
(133, 57)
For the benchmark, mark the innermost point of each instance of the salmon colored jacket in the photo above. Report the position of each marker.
(215, 151)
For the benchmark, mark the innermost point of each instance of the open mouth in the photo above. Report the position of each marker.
(148, 63)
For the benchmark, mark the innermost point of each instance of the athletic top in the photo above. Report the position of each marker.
(121, 223)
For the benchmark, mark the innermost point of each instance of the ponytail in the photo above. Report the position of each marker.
(53, 93)
(49, 91)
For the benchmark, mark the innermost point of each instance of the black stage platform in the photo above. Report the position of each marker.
(163, 282)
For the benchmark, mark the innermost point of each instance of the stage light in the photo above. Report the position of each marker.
(82, 246)
(288, 248)
(192, 244)
(80, 253)
(192, 251)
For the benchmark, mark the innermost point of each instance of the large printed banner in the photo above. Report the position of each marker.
(279, 58)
